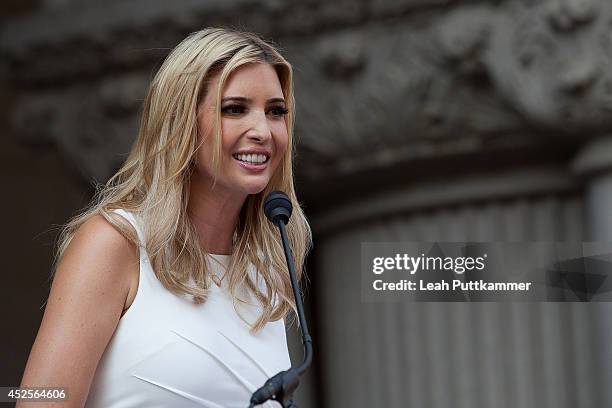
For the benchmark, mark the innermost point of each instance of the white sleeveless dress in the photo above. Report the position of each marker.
(169, 352)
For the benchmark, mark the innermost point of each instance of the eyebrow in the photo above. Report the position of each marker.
(249, 100)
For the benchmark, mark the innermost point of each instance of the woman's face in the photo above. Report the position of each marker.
(253, 128)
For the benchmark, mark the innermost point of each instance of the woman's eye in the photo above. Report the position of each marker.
(280, 111)
(233, 109)
(238, 110)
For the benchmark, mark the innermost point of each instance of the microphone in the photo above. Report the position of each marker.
(278, 208)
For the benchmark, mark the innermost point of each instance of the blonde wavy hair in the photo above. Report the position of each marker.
(153, 183)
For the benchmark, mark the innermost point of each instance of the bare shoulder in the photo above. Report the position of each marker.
(98, 257)
(113, 258)
(87, 297)
(98, 233)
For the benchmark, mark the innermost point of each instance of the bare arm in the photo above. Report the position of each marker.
(87, 296)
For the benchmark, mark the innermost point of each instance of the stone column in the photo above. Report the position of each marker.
(459, 355)
(594, 162)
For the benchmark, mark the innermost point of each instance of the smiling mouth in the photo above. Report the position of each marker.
(252, 159)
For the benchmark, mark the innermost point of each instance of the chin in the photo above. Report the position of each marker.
(255, 188)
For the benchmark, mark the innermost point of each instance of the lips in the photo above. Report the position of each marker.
(254, 158)
(252, 167)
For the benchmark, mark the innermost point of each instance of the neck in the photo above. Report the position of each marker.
(214, 213)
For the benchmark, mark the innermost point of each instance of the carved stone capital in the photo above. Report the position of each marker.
(379, 84)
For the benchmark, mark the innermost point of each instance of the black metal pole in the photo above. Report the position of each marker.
(281, 386)
(306, 339)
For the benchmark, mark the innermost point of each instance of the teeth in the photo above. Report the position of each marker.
(252, 158)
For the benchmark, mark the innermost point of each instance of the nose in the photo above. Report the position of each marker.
(260, 130)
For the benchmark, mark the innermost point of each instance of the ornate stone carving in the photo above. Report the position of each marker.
(468, 79)
(561, 81)
(93, 126)
(68, 40)
(403, 97)
(418, 81)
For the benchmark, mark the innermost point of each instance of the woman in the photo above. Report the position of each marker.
(171, 289)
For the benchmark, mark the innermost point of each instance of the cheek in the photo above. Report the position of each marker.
(204, 141)
(281, 139)
(231, 131)
(204, 152)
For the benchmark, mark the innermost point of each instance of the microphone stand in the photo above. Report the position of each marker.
(280, 387)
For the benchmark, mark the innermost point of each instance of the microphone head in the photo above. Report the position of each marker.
(277, 205)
